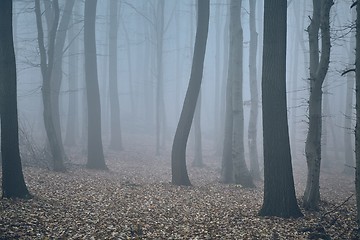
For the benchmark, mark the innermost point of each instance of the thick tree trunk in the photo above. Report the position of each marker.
(46, 65)
(254, 108)
(95, 158)
(178, 154)
(115, 140)
(318, 70)
(13, 183)
(279, 191)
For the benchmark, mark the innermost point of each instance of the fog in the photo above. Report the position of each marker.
(137, 73)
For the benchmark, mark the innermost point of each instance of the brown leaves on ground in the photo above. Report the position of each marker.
(135, 200)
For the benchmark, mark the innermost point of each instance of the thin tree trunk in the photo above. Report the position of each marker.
(254, 108)
(95, 158)
(73, 119)
(159, 70)
(350, 82)
(198, 159)
(46, 65)
(318, 70)
(115, 140)
(357, 109)
(178, 154)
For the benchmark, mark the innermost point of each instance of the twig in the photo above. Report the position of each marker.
(337, 207)
(347, 71)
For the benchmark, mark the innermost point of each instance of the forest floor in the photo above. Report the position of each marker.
(135, 200)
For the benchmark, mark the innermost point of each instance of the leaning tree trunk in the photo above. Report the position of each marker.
(178, 154)
(318, 70)
(254, 108)
(115, 140)
(279, 191)
(13, 183)
(95, 158)
(46, 65)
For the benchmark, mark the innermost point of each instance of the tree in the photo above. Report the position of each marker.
(318, 70)
(234, 166)
(178, 158)
(72, 126)
(115, 140)
(13, 183)
(279, 190)
(47, 64)
(357, 109)
(57, 72)
(254, 108)
(95, 159)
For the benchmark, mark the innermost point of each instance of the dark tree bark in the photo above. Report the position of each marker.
(279, 190)
(115, 140)
(57, 73)
(13, 183)
(47, 65)
(95, 159)
(178, 158)
(254, 108)
(318, 71)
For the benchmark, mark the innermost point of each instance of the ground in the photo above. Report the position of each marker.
(135, 200)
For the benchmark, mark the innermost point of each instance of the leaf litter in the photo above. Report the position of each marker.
(135, 200)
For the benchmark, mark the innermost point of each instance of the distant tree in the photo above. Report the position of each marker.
(234, 165)
(178, 154)
(318, 71)
(254, 108)
(279, 191)
(57, 72)
(348, 131)
(72, 126)
(357, 109)
(95, 159)
(115, 139)
(13, 184)
(47, 64)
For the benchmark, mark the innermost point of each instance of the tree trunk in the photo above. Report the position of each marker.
(95, 158)
(357, 109)
(241, 173)
(318, 70)
(198, 159)
(56, 75)
(46, 65)
(72, 124)
(254, 108)
(13, 183)
(115, 140)
(350, 82)
(279, 190)
(178, 154)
